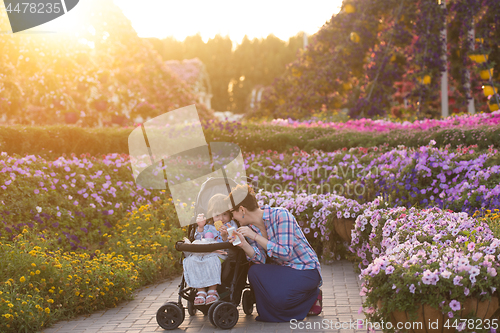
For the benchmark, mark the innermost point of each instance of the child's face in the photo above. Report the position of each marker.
(224, 217)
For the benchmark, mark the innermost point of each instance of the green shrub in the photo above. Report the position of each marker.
(59, 140)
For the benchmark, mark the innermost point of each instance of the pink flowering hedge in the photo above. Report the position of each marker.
(435, 257)
(250, 137)
(380, 125)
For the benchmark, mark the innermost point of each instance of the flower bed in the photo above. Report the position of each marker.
(75, 201)
(92, 194)
(433, 257)
(39, 286)
(316, 214)
(461, 179)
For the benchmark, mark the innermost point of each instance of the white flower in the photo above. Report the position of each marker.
(70, 197)
(3, 154)
(445, 274)
(39, 209)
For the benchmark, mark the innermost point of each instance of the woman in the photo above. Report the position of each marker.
(288, 287)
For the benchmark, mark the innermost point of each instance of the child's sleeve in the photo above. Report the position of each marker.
(199, 235)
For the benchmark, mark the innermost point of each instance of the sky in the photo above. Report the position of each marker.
(236, 18)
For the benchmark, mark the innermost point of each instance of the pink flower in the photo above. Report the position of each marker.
(456, 280)
(455, 305)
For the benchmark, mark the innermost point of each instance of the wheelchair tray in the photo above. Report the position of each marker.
(181, 246)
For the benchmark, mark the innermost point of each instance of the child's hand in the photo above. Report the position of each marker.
(201, 221)
(223, 232)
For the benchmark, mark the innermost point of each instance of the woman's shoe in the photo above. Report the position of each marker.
(318, 305)
(212, 297)
(200, 298)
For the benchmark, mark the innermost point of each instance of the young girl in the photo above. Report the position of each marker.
(204, 269)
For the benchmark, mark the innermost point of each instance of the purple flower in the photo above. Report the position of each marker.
(36, 191)
(456, 280)
(412, 288)
(455, 305)
(471, 246)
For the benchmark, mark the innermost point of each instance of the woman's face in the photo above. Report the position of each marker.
(238, 216)
(224, 217)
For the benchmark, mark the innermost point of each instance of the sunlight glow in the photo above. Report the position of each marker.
(69, 23)
(256, 19)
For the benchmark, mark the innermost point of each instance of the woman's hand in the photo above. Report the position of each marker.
(247, 232)
(201, 221)
(243, 244)
(240, 236)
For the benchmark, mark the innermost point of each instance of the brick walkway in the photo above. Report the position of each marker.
(341, 302)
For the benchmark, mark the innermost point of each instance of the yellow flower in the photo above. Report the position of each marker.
(37, 271)
(33, 264)
(7, 315)
(32, 273)
(22, 279)
(50, 301)
(47, 310)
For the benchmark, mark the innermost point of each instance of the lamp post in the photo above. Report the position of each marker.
(468, 87)
(444, 74)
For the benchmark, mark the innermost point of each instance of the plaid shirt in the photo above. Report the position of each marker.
(286, 243)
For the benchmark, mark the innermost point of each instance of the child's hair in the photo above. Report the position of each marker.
(217, 205)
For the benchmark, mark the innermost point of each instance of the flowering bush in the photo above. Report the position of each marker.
(461, 179)
(75, 201)
(39, 286)
(492, 218)
(429, 257)
(384, 231)
(315, 214)
(64, 73)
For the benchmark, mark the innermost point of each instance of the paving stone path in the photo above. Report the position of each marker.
(341, 302)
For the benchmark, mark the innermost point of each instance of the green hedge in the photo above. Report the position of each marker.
(250, 137)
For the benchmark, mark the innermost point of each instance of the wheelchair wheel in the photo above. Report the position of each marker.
(211, 312)
(191, 308)
(225, 315)
(170, 315)
(247, 302)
